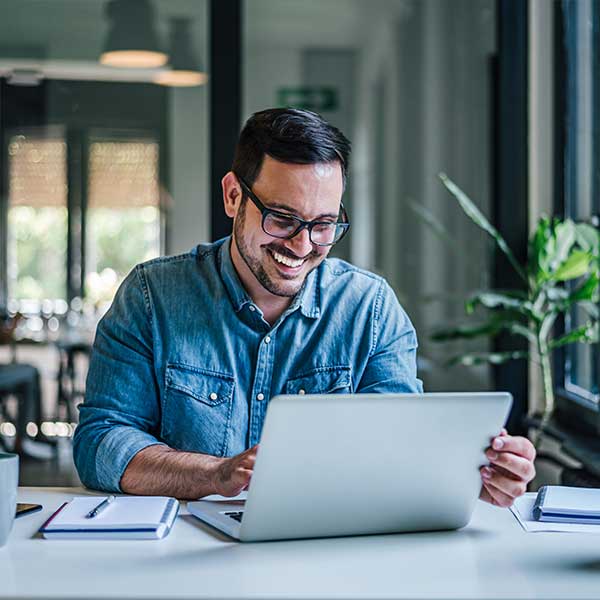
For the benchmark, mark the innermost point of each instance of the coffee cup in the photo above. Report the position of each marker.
(9, 481)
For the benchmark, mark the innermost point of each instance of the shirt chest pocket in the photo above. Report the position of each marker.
(197, 409)
(321, 380)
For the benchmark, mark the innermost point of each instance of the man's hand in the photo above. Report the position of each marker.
(233, 475)
(510, 470)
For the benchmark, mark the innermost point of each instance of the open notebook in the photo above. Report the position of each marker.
(128, 517)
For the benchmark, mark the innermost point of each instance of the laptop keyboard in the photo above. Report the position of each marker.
(236, 516)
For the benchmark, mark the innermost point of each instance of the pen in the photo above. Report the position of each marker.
(96, 511)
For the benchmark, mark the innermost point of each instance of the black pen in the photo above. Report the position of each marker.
(96, 511)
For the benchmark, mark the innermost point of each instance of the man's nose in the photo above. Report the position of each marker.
(301, 244)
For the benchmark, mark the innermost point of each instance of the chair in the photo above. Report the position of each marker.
(20, 381)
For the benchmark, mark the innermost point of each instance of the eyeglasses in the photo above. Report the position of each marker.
(284, 226)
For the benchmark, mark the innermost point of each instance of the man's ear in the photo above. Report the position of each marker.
(232, 194)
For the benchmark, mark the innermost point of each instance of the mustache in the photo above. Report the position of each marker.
(285, 252)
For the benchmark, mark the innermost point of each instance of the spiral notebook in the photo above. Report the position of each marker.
(127, 517)
(562, 504)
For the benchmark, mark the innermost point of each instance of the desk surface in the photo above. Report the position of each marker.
(491, 558)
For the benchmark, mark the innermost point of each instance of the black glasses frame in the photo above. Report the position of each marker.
(342, 221)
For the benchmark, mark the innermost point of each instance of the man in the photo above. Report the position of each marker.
(194, 346)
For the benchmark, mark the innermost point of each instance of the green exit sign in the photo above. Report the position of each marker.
(311, 98)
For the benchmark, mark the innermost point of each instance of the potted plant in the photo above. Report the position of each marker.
(561, 273)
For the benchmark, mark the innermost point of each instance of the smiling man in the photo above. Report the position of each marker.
(194, 346)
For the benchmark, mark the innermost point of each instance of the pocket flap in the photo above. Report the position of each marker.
(322, 380)
(210, 387)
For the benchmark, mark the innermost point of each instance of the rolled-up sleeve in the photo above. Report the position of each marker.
(392, 363)
(121, 412)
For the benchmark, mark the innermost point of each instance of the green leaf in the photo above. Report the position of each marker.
(496, 300)
(541, 245)
(479, 219)
(588, 334)
(565, 238)
(575, 266)
(522, 330)
(503, 321)
(495, 358)
(588, 290)
(588, 238)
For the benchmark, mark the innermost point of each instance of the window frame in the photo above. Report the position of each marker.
(79, 126)
(578, 411)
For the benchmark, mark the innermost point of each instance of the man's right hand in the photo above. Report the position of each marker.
(233, 475)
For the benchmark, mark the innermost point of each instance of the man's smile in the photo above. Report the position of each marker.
(287, 265)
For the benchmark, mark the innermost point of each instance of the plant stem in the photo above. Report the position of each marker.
(546, 368)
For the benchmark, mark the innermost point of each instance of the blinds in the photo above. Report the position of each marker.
(37, 171)
(123, 174)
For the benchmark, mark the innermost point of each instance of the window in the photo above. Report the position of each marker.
(123, 221)
(37, 217)
(84, 197)
(581, 168)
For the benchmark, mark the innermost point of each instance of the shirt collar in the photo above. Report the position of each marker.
(308, 299)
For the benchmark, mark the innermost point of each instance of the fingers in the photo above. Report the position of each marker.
(502, 488)
(495, 496)
(511, 469)
(515, 465)
(515, 444)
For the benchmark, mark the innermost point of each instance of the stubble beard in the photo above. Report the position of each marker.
(256, 266)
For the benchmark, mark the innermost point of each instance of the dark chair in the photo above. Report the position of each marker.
(71, 389)
(20, 381)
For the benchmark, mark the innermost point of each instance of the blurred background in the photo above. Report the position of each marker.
(118, 119)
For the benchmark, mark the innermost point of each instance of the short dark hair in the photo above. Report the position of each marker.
(289, 135)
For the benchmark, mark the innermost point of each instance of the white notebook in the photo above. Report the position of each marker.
(562, 504)
(127, 517)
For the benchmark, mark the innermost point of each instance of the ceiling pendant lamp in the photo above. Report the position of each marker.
(132, 40)
(185, 69)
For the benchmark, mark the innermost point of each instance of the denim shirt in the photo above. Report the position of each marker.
(185, 358)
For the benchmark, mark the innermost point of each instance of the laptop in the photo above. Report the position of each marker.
(338, 465)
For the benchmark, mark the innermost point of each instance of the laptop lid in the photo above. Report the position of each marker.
(332, 465)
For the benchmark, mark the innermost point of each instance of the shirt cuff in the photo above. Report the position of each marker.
(115, 451)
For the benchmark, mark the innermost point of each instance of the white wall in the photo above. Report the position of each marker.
(189, 214)
(434, 60)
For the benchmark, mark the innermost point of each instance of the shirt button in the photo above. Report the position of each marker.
(252, 308)
(267, 340)
(213, 396)
(301, 391)
(260, 396)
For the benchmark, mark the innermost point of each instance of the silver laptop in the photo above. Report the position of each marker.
(333, 465)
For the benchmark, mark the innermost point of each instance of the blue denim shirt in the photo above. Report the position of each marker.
(185, 358)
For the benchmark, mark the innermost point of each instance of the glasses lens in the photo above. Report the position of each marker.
(324, 233)
(279, 226)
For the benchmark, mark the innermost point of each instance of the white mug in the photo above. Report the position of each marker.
(9, 481)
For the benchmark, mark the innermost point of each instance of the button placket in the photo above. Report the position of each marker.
(262, 383)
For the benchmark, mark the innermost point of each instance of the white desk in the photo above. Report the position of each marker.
(491, 558)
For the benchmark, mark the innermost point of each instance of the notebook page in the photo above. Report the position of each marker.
(123, 512)
(522, 509)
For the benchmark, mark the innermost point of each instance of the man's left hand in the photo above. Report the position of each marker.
(510, 469)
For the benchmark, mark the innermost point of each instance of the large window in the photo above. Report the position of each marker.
(581, 38)
(123, 212)
(37, 217)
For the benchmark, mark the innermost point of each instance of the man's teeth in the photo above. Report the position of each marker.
(286, 261)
